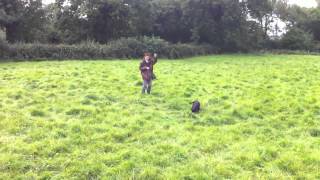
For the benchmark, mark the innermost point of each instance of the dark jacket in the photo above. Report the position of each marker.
(146, 73)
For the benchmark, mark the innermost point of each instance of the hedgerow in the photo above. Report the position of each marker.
(124, 48)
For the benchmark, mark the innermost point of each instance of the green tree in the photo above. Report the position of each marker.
(10, 17)
(99, 20)
(307, 19)
(297, 39)
(142, 17)
(263, 11)
(22, 20)
(221, 23)
(69, 21)
(33, 23)
(170, 22)
(312, 23)
(52, 33)
(204, 19)
(109, 19)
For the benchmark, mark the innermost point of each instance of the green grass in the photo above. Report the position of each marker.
(260, 119)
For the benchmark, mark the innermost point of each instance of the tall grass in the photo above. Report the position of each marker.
(260, 119)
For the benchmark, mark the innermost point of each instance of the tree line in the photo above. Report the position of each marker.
(227, 25)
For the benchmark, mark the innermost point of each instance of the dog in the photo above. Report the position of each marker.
(195, 106)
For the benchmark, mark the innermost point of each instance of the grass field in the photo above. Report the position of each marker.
(260, 119)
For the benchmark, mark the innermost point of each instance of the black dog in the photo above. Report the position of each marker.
(195, 106)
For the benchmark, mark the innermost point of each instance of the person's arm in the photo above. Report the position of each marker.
(155, 58)
(142, 67)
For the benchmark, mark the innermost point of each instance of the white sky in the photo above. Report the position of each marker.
(48, 1)
(304, 3)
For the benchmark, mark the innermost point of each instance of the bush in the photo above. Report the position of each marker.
(124, 48)
(187, 50)
(155, 44)
(290, 52)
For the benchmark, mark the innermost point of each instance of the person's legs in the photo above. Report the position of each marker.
(149, 86)
(144, 86)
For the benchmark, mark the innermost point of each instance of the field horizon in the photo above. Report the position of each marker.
(259, 119)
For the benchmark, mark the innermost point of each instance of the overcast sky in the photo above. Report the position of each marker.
(304, 3)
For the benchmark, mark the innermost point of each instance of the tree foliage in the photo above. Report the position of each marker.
(297, 39)
(227, 25)
(23, 20)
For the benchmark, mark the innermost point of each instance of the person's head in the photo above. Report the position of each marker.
(147, 57)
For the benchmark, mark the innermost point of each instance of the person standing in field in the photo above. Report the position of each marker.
(146, 69)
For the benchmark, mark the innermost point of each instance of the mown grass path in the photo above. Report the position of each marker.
(260, 118)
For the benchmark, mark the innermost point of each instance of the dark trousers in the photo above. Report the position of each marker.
(146, 87)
